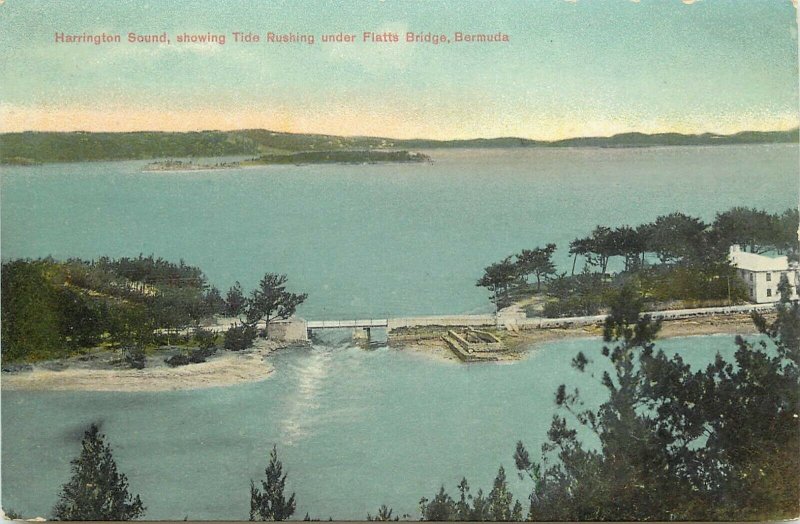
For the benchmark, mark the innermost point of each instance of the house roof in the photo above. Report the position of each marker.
(754, 262)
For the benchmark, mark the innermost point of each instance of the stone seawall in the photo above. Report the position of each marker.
(515, 321)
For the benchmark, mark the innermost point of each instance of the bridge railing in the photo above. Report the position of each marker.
(334, 324)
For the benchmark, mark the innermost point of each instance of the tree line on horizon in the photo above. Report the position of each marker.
(675, 257)
(32, 147)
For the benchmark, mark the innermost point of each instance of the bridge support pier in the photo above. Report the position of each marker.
(361, 334)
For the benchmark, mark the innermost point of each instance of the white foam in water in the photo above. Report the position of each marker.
(303, 404)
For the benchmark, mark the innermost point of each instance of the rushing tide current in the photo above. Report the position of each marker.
(354, 428)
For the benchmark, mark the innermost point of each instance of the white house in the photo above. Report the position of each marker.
(762, 274)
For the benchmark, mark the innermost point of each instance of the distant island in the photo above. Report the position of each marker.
(340, 157)
(180, 165)
(303, 157)
(266, 146)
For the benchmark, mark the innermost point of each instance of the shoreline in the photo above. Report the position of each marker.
(227, 368)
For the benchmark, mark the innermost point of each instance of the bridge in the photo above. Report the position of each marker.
(341, 324)
(362, 328)
(512, 319)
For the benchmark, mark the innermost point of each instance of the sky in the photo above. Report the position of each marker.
(569, 68)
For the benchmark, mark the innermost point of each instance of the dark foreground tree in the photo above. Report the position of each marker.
(269, 502)
(498, 506)
(270, 300)
(96, 490)
(722, 443)
(384, 515)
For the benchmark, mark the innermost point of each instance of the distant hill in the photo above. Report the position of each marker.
(45, 147)
(620, 140)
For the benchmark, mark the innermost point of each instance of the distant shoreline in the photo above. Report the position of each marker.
(33, 148)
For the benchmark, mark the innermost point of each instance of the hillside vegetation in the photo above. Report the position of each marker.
(47, 147)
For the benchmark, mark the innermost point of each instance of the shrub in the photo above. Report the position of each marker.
(238, 338)
(177, 360)
(199, 355)
(195, 356)
(206, 339)
(134, 356)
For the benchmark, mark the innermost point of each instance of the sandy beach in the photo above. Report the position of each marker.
(226, 368)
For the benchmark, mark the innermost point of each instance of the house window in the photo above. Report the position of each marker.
(769, 277)
(769, 292)
(751, 277)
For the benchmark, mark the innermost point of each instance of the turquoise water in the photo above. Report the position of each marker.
(376, 240)
(354, 428)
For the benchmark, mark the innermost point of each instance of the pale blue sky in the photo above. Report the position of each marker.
(571, 68)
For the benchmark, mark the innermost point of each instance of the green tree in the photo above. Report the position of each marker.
(788, 227)
(721, 443)
(235, 300)
(500, 498)
(441, 507)
(270, 300)
(579, 246)
(498, 278)
(499, 505)
(31, 315)
(603, 247)
(96, 490)
(751, 228)
(628, 243)
(538, 262)
(269, 502)
(676, 236)
(384, 515)
(214, 303)
(82, 322)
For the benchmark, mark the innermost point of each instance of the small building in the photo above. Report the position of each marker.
(762, 274)
(293, 329)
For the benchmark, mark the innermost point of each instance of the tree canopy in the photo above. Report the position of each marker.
(269, 502)
(719, 443)
(538, 262)
(270, 300)
(96, 491)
